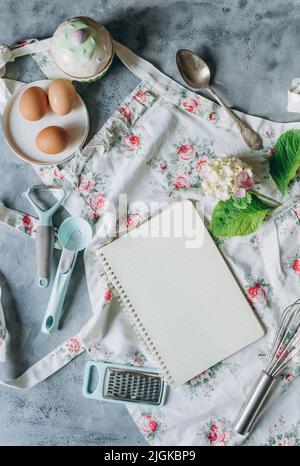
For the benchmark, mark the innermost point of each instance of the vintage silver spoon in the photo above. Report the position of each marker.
(196, 74)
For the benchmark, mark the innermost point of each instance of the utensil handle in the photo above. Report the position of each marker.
(44, 251)
(254, 404)
(55, 305)
(90, 368)
(251, 138)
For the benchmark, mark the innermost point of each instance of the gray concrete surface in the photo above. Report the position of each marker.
(253, 46)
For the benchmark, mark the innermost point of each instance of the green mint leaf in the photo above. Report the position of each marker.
(285, 160)
(232, 218)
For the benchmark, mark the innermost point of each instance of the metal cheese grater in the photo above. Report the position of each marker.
(122, 383)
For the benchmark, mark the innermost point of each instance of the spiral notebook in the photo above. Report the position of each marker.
(179, 292)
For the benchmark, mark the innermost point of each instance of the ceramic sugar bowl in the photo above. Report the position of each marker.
(82, 49)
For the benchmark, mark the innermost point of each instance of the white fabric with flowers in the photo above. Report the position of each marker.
(156, 147)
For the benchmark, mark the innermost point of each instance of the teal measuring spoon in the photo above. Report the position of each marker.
(74, 235)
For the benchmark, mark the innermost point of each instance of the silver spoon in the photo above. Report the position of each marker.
(196, 74)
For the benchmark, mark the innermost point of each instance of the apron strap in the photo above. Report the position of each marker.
(147, 72)
(144, 70)
(164, 85)
(47, 366)
(21, 48)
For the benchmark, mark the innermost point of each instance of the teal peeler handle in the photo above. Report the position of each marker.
(60, 286)
(44, 250)
(44, 238)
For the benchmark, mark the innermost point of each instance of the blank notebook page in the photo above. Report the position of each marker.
(185, 301)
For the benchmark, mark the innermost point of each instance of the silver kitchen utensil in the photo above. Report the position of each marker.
(285, 352)
(45, 230)
(123, 383)
(196, 74)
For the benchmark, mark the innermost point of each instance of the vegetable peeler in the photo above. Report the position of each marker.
(124, 384)
(44, 233)
(74, 235)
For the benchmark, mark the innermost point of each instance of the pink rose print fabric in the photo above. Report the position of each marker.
(155, 147)
(191, 104)
(28, 223)
(108, 295)
(51, 175)
(291, 264)
(136, 358)
(126, 111)
(87, 185)
(131, 142)
(73, 345)
(283, 434)
(69, 350)
(296, 212)
(186, 151)
(185, 165)
(204, 384)
(181, 182)
(97, 201)
(196, 104)
(140, 97)
(296, 266)
(137, 361)
(219, 434)
(259, 292)
(256, 292)
(151, 426)
(133, 220)
(200, 165)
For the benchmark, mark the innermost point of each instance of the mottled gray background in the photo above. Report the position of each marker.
(253, 47)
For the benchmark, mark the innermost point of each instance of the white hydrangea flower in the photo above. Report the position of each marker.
(226, 177)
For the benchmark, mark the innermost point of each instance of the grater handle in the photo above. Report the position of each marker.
(89, 368)
(252, 408)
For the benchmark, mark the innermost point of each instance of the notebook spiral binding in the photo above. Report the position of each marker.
(134, 317)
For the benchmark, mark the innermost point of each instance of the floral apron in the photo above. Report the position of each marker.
(153, 148)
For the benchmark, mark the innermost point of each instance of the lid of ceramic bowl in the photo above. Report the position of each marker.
(81, 47)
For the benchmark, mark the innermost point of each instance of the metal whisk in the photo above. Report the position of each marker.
(285, 352)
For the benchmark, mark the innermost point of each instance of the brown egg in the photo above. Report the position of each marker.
(62, 96)
(33, 103)
(52, 140)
